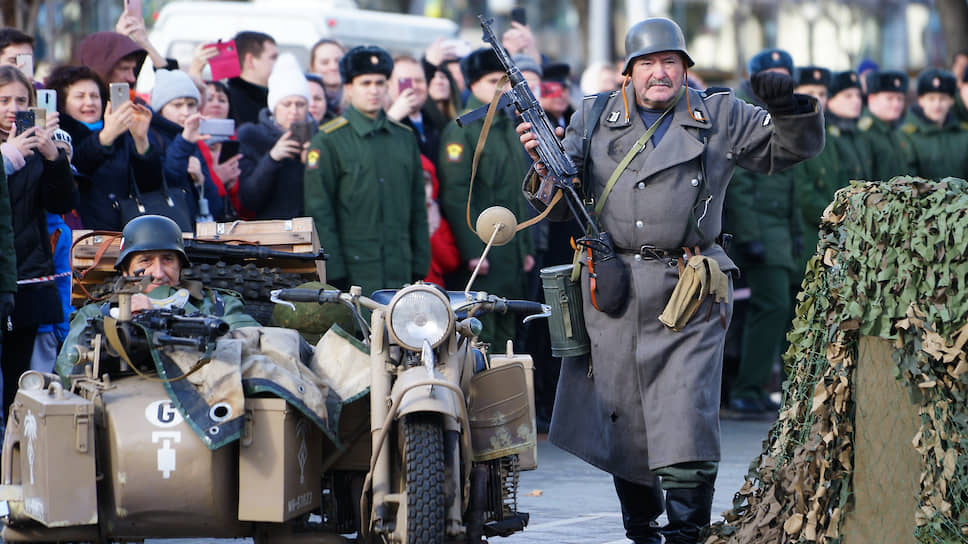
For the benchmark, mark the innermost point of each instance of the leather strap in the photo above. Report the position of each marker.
(636, 148)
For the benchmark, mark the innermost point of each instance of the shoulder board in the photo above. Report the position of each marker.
(400, 125)
(865, 123)
(833, 130)
(909, 128)
(711, 91)
(334, 124)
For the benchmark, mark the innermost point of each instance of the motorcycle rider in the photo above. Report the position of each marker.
(152, 245)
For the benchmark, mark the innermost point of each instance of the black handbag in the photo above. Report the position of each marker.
(173, 204)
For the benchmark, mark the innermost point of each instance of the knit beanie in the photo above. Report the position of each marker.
(172, 84)
(287, 79)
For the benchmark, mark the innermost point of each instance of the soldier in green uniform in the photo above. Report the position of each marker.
(937, 140)
(889, 152)
(501, 168)
(364, 185)
(818, 178)
(762, 215)
(152, 245)
(844, 106)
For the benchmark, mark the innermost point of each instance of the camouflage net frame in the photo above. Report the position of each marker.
(892, 262)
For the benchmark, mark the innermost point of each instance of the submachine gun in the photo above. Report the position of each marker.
(561, 169)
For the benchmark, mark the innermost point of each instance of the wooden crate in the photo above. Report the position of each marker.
(296, 235)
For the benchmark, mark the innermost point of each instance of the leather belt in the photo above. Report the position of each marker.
(651, 252)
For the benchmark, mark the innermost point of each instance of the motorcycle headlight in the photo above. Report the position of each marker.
(419, 313)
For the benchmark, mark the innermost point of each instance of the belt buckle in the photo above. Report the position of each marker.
(650, 252)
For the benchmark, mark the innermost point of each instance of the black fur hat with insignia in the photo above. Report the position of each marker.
(841, 81)
(480, 63)
(811, 75)
(365, 59)
(934, 80)
(888, 81)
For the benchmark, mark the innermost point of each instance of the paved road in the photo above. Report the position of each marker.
(573, 502)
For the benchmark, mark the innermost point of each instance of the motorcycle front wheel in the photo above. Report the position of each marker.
(423, 474)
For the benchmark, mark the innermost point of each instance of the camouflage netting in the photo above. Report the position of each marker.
(891, 263)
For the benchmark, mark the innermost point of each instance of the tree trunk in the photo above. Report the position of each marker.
(954, 20)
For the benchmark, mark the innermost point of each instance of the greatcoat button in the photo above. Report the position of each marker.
(638, 257)
(639, 224)
(694, 182)
(640, 185)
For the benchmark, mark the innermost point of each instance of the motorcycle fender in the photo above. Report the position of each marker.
(424, 398)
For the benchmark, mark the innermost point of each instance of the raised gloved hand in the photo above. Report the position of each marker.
(775, 89)
(6, 310)
(753, 252)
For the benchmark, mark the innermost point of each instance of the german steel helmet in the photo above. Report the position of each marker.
(151, 233)
(652, 36)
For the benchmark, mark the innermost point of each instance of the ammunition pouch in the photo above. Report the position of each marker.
(699, 277)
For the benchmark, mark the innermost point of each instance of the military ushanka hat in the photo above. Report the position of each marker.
(841, 81)
(934, 80)
(888, 81)
(811, 75)
(480, 63)
(365, 59)
(770, 58)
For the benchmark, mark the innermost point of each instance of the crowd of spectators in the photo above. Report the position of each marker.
(367, 145)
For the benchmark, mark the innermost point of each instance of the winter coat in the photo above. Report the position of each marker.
(8, 256)
(107, 173)
(500, 170)
(444, 257)
(102, 50)
(365, 191)
(890, 153)
(268, 188)
(652, 398)
(763, 208)
(39, 187)
(246, 101)
(843, 134)
(936, 151)
(175, 152)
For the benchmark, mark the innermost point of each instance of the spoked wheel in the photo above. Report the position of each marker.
(422, 472)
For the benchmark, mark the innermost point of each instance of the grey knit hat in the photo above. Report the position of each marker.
(172, 84)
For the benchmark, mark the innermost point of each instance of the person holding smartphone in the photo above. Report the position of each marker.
(39, 180)
(222, 158)
(273, 150)
(176, 125)
(111, 143)
(16, 48)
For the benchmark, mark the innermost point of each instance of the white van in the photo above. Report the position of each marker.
(295, 25)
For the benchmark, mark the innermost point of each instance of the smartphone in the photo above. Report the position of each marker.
(302, 131)
(40, 117)
(133, 7)
(25, 61)
(120, 93)
(518, 16)
(404, 84)
(47, 99)
(24, 121)
(224, 65)
(219, 129)
(230, 148)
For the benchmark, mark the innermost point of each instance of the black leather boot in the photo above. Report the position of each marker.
(641, 506)
(688, 511)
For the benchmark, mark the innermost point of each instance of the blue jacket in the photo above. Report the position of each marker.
(175, 152)
(62, 269)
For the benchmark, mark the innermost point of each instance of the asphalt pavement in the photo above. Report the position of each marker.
(572, 502)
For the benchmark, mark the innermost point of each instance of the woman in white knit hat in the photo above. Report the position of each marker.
(272, 150)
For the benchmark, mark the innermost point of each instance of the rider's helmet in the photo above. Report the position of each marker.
(151, 233)
(653, 36)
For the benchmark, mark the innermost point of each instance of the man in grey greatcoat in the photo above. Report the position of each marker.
(645, 406)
